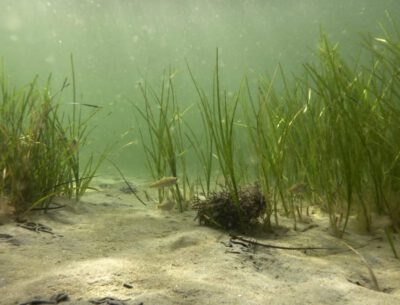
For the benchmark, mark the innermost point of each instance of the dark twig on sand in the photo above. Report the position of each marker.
(235, 238)
(133, 191)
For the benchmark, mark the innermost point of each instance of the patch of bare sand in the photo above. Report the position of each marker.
(110, 239)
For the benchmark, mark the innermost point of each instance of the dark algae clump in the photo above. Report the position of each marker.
(219, 209)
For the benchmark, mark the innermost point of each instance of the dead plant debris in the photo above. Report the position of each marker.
(219, 209)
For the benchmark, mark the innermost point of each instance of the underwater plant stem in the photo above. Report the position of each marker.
(371, 272)
(133, 191)
(75, 133)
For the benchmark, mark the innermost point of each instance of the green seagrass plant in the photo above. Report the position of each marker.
(218, 116)
(163, 139)
(39, 146)
(327, 137)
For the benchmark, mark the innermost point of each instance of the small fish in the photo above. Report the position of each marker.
(87, 105)
(134, 142)
(380, 39)
(173, 74)
(163, 182)
(299, 188)
(240, 124)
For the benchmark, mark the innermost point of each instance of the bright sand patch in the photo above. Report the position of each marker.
(110, 239)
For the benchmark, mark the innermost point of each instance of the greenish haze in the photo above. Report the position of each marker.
(117, 44)
(329, 134)
(313, 120)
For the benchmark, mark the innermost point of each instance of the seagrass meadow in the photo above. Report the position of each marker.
(199, 152)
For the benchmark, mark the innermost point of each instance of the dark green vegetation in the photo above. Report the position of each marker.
(329, 137)
(40, 146)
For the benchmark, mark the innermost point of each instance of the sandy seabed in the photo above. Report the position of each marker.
(111, 246)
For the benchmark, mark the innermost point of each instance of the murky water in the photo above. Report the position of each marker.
(117, 44)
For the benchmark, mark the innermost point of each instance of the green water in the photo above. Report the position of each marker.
(117, 44)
